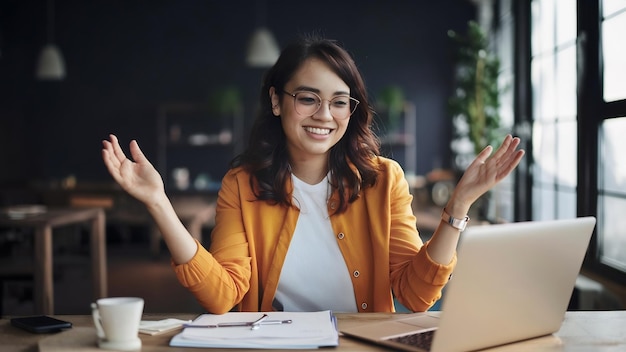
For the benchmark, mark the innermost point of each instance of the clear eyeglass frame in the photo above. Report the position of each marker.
(337, 105)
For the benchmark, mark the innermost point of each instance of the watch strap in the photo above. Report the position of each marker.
(458, 224)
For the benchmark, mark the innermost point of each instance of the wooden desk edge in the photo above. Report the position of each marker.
(597, 329)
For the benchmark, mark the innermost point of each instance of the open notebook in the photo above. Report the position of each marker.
(512, 282)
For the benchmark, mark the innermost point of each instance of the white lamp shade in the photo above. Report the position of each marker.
(51, 65)
(263, 49)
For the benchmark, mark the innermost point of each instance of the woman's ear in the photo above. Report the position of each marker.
(274, 101)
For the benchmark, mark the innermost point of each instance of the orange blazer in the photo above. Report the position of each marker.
(377, 236)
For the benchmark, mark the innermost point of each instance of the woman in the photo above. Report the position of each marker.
(310, 216)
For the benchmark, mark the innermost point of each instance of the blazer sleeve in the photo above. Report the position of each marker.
(219, 279)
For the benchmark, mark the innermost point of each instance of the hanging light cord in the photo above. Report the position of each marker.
(50, 21)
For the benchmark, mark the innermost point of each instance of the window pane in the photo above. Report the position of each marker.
(566, 201)
(544, 153)
(542, 26)
(543, 203)
(543, 88)
(505, 40)
(507, 117)
(566, 163)
(614, 53)
(565, 85)
(612, 161)
(610, 7)
(612, 231)
(502, 200)
(565, 21)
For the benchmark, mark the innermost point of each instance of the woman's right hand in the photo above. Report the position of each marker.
(139, 178)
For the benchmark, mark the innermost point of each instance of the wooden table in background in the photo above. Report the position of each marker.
(43, 224)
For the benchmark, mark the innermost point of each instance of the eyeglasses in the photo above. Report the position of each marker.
(308, 104)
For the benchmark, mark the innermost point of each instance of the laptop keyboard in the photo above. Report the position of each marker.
(421, 340)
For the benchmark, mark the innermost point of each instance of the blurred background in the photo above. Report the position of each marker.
(125, 59)
(183, 78)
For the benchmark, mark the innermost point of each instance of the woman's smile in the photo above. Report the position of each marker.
(317, 132)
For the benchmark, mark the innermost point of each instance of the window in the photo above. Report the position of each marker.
(609, 256)
(577, 114)
(613, 49)
(554, 113)
(612, 194)
(569, 107)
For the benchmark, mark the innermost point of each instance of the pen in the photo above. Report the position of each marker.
(256, 324)
(242, 323)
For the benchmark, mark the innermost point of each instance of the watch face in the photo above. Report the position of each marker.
(458, 224)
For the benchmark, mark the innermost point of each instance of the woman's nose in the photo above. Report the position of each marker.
(323, 113)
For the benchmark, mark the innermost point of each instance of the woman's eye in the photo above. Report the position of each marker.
(308, 100)
(341, 103)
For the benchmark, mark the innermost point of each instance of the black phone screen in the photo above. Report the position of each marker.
(40, 324)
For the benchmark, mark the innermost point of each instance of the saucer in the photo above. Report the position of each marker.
(132, 345)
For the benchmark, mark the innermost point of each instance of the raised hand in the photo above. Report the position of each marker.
(487, 170)
(139, 178)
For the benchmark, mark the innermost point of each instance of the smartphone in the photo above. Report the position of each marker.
(40, 324)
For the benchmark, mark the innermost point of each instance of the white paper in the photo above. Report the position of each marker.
(154, 327)
(307, 330)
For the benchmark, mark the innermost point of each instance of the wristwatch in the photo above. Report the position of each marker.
(458, 224)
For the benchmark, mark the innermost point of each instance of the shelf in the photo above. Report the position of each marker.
(400, 144)
(195, 147)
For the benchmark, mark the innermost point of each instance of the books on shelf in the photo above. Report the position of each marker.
(279, 330)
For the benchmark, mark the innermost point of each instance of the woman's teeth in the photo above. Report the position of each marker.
(317, 130)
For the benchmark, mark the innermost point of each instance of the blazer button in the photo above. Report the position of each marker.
(356, 273)
(340, 236)
(363, 305)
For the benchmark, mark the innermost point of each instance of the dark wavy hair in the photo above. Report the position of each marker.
(266, 156)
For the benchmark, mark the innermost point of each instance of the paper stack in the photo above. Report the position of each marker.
(306, 330)
(156, 327)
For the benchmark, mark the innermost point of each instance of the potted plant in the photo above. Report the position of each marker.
(474, 105)
(475, 102)
(226, 104)
(391, 100)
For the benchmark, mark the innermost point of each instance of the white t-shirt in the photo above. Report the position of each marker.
(314, 276)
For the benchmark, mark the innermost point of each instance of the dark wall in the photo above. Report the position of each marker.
(125, 57)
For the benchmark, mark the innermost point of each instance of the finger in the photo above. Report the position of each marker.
(508, 167)
(513, 144)
(117, 149)
(136, 152)
(510, 153)
(108, 154)
(483, 155)
(505, 146)
(112, 165)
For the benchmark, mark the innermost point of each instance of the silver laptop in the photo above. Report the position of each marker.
(512, 282)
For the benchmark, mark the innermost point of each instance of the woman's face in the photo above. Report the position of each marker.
(310, 137)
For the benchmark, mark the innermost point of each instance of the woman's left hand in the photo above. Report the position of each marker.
(487, 170)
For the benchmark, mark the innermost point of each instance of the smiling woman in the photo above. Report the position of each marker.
(310, 205)
(311, 127)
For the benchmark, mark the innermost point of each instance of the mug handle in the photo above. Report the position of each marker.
(97, 320)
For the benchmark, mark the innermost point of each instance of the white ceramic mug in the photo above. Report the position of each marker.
(117, 322)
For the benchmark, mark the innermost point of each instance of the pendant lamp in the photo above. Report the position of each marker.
(263, 50)
(50, 65)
